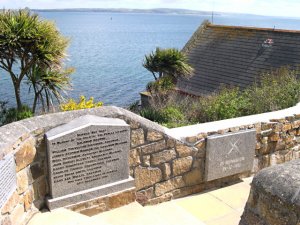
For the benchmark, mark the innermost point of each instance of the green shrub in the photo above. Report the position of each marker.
(225, 104)
(163, 84)
(3, 110)
(134, 107)
(169, 116)
(276, 90)
(12, 114)
(174, 118)
(153, 115)
(172, 113)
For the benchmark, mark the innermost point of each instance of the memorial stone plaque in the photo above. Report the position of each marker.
(8, 180)
(88, 155)
(229, 154)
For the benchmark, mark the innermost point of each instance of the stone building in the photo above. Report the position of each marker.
(236, 56)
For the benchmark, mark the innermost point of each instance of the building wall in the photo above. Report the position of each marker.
(165, 163)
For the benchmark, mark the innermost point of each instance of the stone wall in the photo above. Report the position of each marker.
(166, 167)
(275, 196)
(30, 158)
(165, 163)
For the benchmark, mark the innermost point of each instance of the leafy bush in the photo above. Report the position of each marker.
(276, 90)
(81, 104)
(153, 115)
(3, 111)
(12, 114)
(134, 107)
(173, 117)
(169, 116)
(172, 113)
(164, 84)
(228, 103)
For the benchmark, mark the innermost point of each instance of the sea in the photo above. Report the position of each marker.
(107, 49)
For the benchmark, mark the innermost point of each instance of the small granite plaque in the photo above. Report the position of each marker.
(8, 180)
(229, 154)
(87, 157)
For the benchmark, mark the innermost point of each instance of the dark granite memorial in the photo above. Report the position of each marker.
(8, 180)
(87, 158)
(229, 154)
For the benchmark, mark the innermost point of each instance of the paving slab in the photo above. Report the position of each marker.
(131, 214)
(222, 206)
(232, 218)
(59, 217)
(235, 196)
(173, 214)
(205, 207)
(135, 214)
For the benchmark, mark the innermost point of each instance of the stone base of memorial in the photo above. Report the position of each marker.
(104, 203)
(88, 158)
(90, 194)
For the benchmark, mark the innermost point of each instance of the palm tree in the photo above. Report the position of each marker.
(48, 84)
(25, 41)
(167, 62)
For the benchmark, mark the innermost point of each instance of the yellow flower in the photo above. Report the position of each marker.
(82, 104)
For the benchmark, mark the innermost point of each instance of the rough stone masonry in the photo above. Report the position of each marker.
(178, 172)
(275, 196)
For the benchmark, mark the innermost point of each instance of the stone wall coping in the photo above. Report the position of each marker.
(282, 181)
(188, 131)
(11, 133)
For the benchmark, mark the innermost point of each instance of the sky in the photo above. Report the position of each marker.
(288, 8)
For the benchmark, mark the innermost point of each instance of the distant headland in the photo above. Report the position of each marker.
(125, 10)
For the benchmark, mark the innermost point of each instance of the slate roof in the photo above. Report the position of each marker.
(236, 56)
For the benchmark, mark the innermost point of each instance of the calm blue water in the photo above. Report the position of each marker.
(107, 50)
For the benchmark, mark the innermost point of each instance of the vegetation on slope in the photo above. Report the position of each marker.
(276, 90)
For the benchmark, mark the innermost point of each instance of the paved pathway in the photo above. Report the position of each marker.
(217, 207)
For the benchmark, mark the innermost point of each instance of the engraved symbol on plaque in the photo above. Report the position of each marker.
(234, 147)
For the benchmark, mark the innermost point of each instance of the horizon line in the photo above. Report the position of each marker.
(192, 11)
(145, 9)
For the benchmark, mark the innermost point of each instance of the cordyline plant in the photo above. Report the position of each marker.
(47, 85)
(167, 62)
(27, 42)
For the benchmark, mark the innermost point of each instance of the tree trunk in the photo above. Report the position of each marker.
(34, 104)
(18, 95)
(36, 97)
(160, 74)
(154, 76)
